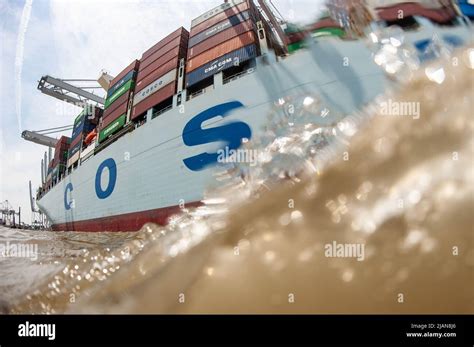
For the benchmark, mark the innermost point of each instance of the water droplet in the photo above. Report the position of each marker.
(269, 256)
(308, 101)
(305, 255)
(434, 74)
(347, 275)
(285, 219)
(296, 215)
(470, 58)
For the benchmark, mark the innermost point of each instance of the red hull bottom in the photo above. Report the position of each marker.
(125, 222)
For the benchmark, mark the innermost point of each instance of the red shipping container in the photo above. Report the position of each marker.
(143, 82)
(296, 37)
(219, 38)
(57, 160)
(74, 142)
(133, 66)
(53, 163)
(179, 32)
(64, 139)
(114, 115)
(179, 41)
(164, 93)
(117, 103)
(323, 23)
(61, 146)
(179, 51)
(218, 18)
(224, 48)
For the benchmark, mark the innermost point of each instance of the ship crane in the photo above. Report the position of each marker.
(8, 214)
(274, 24)
(65, 91)
(40, 136)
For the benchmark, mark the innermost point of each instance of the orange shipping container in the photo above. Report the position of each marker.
(115, 114)
(116, 104)
(219, 38)
(180, 32)
(179, 41)
(178, 51)
(224, 48)
(218, 18)
(144, 81)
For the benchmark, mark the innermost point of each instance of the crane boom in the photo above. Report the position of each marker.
(277, 32)
(32, 200)
(39, 139)
(67, 92)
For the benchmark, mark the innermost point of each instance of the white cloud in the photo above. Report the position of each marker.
(25, 18)
(94, 35)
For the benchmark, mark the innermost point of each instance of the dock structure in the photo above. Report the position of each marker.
(9, 215)
(11, 218)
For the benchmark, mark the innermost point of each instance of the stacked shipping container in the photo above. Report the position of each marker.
(221, 38)
(158, 72)
(117, 101)
(58, 164)
(83, 124)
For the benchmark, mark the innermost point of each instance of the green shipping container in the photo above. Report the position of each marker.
(63, 158)
(112, 128)
(328, 32)
(78, 118)
(296, 46)
(122, 90)
(60, 168)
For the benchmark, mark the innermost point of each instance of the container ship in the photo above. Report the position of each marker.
(149, 149)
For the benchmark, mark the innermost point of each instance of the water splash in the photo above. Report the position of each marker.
(259, 243)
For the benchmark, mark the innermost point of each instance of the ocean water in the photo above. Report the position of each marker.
(371, 215)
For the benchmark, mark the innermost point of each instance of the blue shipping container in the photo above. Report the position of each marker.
(230, 59)
(87, 122)
(123, 80)
(74, 150)
(78, 125)
(88, 117)
(85, 127)
(216, 29)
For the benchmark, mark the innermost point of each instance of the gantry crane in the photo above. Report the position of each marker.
(64, 90)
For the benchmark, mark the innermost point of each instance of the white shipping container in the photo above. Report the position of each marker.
(154, 86)
(215, 11)
(88, 151)
(73, 159)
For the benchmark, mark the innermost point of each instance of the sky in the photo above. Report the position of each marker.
(71, 39)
